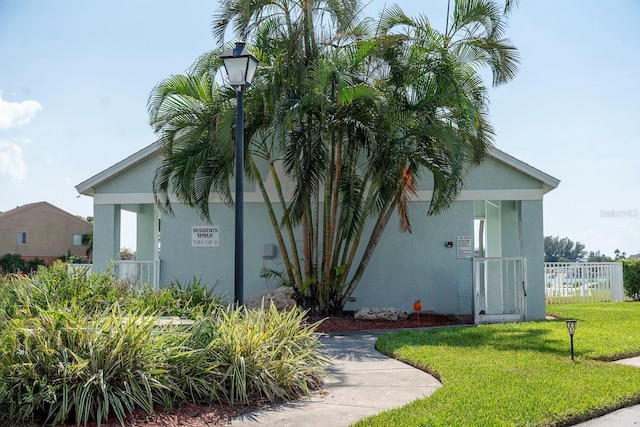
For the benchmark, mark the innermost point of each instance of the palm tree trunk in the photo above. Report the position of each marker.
(327, 220)
(334, 244)
(290, 232)
(274, 222)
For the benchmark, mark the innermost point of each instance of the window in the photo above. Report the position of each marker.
(80, 239)
(22, 238)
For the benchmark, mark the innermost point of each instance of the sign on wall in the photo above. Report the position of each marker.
(205, 236)
(464, 247)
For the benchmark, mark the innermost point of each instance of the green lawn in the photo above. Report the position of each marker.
(521, 374)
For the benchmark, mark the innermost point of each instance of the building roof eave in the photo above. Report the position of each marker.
(548, 182)
(88, 186)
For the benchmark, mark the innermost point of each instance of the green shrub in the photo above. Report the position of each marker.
(62, 365)
(66, 355)
(190, 300)
(34, 264)
(12, 263)
(254, 355)
(631, 278)
(56, 287)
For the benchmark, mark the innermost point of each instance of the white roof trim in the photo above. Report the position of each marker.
(88, 187)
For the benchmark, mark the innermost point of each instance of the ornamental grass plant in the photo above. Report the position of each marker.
(59, 366)
(521, 374)
(59, 287)
(99, 353)
(244, 356)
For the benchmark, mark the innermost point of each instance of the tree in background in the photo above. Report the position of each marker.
(127, 254)
(619, 255)
(598, 257)
(563, 250)
(352, 111)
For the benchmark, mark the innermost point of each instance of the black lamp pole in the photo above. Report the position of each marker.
(238, 284)
(241, 66)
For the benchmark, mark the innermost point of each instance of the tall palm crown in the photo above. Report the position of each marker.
(355, 112)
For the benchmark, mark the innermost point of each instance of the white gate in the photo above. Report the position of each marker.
(500, 286)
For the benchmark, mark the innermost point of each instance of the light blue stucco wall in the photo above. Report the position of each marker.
(146, 229)
(404, 267)
(511, 230)
(495, 175)
(106, 235)
(135, 180)
(410, 266)
(215, 265)
(533, 251)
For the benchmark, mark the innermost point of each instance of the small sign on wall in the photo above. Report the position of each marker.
(205, 236)
(464, 247)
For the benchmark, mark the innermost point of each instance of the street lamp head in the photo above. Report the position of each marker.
(571, 326)
(240, 64)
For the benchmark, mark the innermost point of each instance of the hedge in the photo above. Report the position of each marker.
(631, 278)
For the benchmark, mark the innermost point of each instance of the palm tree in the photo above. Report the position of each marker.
(437, 103)
(193, 117)
(351, 111)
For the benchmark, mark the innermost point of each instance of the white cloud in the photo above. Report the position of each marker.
(15, 114)
(11, 162)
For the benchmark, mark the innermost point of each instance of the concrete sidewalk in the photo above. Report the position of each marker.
(362, 382)
(625, 417)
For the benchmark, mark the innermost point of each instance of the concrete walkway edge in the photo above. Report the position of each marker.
(362, 382)
(625, 417)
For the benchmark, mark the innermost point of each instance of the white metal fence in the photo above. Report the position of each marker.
(583, 282)
(84, 268)
(137, 273)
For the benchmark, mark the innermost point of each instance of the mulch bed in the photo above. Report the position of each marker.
(346, 323)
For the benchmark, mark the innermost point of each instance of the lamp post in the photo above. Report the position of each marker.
(571, 327)
(241, 66)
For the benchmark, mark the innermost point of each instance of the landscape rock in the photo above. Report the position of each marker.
(387, 313)
(281, 297)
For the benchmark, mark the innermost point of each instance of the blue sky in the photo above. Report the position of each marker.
(75, 76)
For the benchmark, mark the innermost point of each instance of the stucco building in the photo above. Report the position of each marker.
(41, 230)
(483, 257)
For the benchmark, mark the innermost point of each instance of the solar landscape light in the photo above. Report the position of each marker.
(571, 327)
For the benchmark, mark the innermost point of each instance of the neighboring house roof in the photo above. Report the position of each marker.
(636, 256)
(88, 187)
(24, 208)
